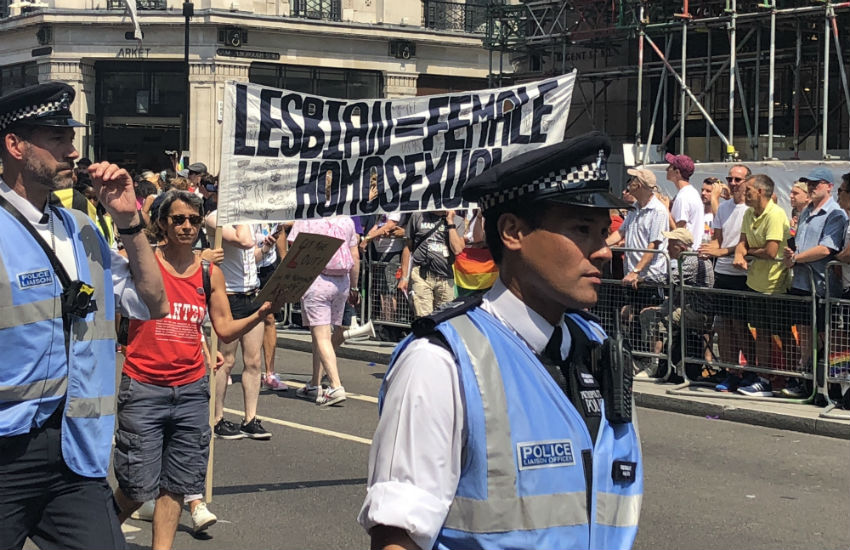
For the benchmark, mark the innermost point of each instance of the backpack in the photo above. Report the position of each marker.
(341, 262)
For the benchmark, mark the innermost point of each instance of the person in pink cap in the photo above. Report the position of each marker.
(688, 209)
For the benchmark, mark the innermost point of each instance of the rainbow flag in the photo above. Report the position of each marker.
(475, 269)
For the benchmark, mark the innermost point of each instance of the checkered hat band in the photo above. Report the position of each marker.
(559, 179)
(30, 111)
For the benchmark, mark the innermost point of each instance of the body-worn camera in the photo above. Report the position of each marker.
(78, 299)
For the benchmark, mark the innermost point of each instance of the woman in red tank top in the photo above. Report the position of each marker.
(163, 407)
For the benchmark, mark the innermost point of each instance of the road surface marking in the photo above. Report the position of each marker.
(305, 427)
(348, 394)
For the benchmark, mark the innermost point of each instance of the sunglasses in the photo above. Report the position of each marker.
(843, 190)
(180, 219)
(730, 179)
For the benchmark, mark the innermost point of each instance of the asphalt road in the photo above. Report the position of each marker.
(709, 483)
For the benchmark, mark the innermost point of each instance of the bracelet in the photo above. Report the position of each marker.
(353, 289)
(451, 226)
(133, 229)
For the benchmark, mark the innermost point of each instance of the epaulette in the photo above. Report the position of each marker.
(587, 315)
(426, 325)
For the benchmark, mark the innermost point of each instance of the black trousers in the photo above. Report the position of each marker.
(41, 498)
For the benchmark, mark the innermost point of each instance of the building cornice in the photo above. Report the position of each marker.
(347, 29)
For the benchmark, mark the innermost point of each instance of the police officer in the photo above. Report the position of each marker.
(506, 422)
(59, 287)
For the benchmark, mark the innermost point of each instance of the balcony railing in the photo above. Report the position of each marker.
(140, 4)
(329, 10)
(445, 15)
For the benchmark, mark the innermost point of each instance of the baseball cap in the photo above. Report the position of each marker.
(683, 163)
(644, 176)
(821, 173)
(680, 234)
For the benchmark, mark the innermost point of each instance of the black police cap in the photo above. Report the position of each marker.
(47, 104)
(572, 172)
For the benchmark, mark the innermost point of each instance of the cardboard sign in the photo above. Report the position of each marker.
(306, 259)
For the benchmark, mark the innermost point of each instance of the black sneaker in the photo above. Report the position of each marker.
(225, 429)
(254, 430)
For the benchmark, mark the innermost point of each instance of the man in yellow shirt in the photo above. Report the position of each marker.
(764, 235)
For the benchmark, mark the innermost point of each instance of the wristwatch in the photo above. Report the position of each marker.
(451, 226)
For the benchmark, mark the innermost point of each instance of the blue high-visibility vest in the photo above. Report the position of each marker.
(531, 476)
(38, 373)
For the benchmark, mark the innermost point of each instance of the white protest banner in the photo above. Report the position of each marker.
(307, 257)
(280, 147)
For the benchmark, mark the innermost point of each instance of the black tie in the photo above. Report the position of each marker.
(552, 351)
(573, 380)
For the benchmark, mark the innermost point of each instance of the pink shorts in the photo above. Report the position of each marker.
(324, 301)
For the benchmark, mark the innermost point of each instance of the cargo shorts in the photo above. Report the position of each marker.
(163, 438)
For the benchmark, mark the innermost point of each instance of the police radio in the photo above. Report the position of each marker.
(617, 377)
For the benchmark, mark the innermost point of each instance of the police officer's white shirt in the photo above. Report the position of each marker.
(415, 459)
(127, 300)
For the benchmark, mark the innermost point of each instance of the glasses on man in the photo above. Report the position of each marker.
(732, 179)
(180, 219)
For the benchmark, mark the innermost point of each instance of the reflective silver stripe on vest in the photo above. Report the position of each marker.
(34, 390)
(504, 510)
(90, 407)
(617, 510)
(517, 513)
(23, 314)
(98, 329)
(32, 312)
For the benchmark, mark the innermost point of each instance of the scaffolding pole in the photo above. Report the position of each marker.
(754, 144)
(841, 70)
(690, 94)
(638, 123)
(709, 101)
(825, 105)
(797, 90)
(730, 146)
(662, 88)
(771, 84)
(682, 95)
(668, 136)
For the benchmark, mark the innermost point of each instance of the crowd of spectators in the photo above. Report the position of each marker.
(756, 338)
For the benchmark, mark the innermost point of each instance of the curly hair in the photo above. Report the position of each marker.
(155, 230)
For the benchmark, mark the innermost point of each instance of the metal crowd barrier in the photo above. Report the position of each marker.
(754, 332)
(616, 299)
(836, 347)
(385, 304)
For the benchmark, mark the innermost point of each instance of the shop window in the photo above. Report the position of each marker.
(133, 89)
(341, 83)
(15, 77)
(317, 9)
(331, 83)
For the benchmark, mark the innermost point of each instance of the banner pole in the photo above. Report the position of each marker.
(208, 492)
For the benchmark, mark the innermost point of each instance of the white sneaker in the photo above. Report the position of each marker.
(145, 511)
(331, 397)
(202, 518)
(308, 392)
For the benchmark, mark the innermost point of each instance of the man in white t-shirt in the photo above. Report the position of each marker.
(730, 325)
(688, 209)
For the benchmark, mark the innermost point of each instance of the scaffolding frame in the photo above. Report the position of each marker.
(736, 59)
